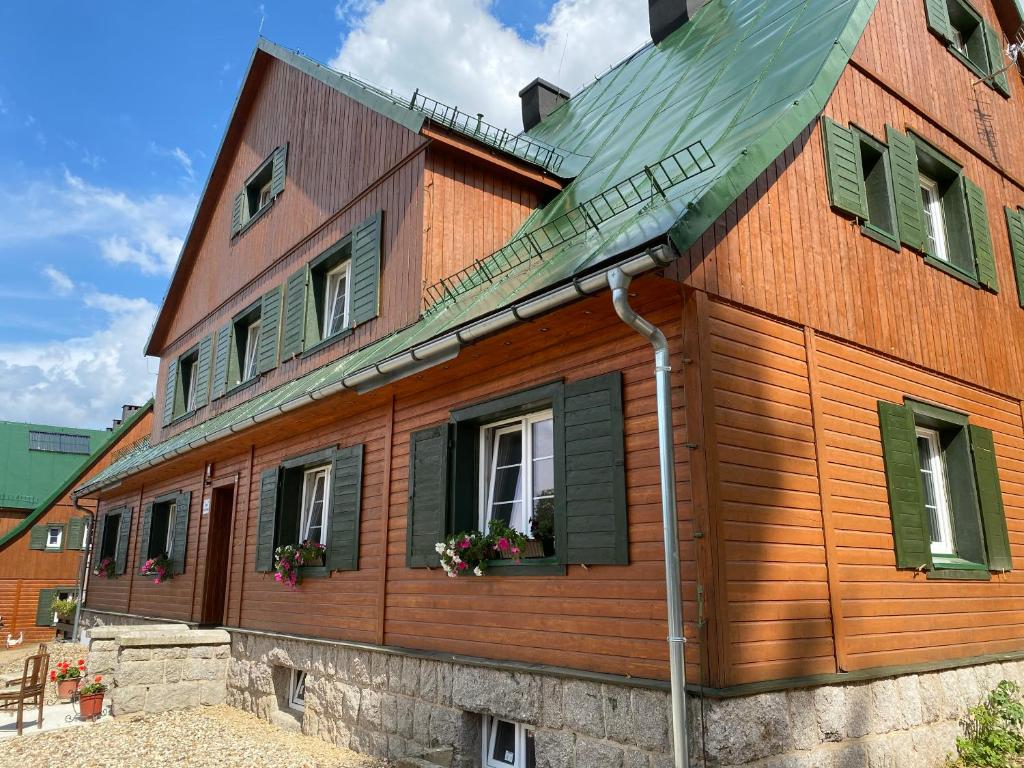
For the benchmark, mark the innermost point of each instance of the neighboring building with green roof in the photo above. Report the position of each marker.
(35, 458)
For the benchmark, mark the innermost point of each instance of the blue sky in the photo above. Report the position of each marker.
(111, 112)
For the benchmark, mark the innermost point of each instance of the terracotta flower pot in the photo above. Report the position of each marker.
(90, 706)
(66, 688)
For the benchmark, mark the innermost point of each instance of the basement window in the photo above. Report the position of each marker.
(54, 536)
(507, 744)
(297, 690)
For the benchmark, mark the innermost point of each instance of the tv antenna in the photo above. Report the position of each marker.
(1012, 50)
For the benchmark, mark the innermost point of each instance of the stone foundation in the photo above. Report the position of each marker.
(406, 707)
(158, 668)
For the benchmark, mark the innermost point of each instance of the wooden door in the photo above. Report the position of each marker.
(218, 542)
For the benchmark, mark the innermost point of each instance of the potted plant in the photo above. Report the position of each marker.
(90, 698)
(158, 567)
(106, 567)
(471, 551)
(289, 559)
(67, 677)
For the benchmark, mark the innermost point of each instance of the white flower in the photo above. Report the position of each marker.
(456, 558)
(452, 575)
(450, 552)
(439, 547)
(477, 571)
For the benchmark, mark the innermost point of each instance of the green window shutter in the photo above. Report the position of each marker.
(346, 493)
(101, 527)
(280, 170)
(990, 497)
(169, 391)
(270, 313)
(76, 532)
(236, 213)
(981, 235)
(843, 171)
(590, 472)
(180, 541)
(144, 530)
(906, 187)
(121, 556)
(1015, 227)
(938, 19)
(202, 373)
(366, 257)
(903, 479)
(426, 524)
(996, 60)
(44, 611)
(267, 520)
(221, 354)
(37, 537)
(293, 338)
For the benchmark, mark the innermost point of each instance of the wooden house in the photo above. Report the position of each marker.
(391, 323)
(42, 547)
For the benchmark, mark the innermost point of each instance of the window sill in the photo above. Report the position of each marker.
(949, 269)
(887, 239)
(241, 386)
(182, 417)
(321, 345)
(955, 569)
(255, 217)
(534, 566)
(984, 76)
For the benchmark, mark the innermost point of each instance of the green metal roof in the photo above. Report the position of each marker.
(28, 476)
(100, 447)
(743, 78)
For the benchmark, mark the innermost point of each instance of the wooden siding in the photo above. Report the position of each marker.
(344, 163)
(605, 618)
(470, 211)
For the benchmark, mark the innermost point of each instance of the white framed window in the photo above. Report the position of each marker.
(193, 387)
(172, 509)
(54, 537)
(517, 467)
(336, 299)
(264, 195)
(936, 491)
(313, 519)
(507, 744)
(297, 690)
(252, 341)
(934, 218)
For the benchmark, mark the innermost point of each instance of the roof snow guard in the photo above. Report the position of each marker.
(743, 78)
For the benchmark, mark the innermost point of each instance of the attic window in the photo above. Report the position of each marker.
(188, 382)
(58, 442)
(260, 190)
(968, 34)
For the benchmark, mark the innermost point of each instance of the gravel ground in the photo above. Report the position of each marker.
(12, 662)
(214, 737)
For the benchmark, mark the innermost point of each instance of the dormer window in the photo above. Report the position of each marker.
(336, 299)
(260, 190)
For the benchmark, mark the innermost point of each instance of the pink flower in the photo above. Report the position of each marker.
(515, 550)
(465, 543)
(462, 566)
(503, 544)
(277, 577)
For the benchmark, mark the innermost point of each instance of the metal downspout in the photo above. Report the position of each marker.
(83, 569)
(619, 281)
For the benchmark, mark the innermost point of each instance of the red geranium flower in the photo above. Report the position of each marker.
(98, 679)
(53, 674)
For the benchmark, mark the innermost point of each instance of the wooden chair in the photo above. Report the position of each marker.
(31, 689)
(13, 681)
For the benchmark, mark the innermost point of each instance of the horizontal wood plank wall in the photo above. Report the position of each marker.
(605, 618)
(901, 617)
(776, 583)
(19, 601)
(114, 593)
(782, 250)
(470, 211)
(344, 163)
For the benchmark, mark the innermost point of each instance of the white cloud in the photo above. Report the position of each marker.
(459, 52)
(84, 380)
(61, 284)
(142, 231)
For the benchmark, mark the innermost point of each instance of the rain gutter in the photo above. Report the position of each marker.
(618, 281)
(421, 356)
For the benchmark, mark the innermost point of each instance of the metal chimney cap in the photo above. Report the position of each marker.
(540, 81)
